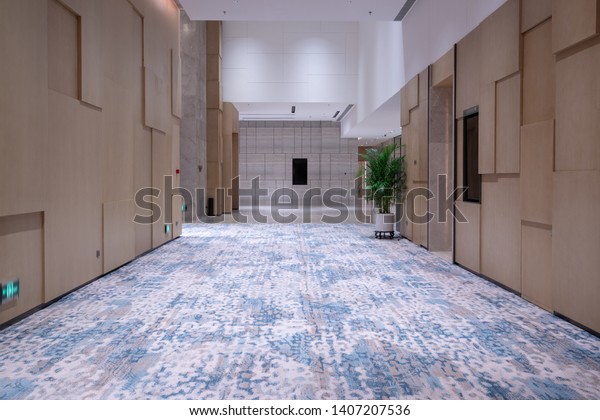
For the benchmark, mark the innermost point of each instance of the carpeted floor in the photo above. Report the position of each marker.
(249, 311)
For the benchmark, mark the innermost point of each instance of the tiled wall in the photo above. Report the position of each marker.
(268, 147)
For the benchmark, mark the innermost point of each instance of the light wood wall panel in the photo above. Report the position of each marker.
(119, 233)
(487, 129)
(420, 210)
(534, 12)
(161, 167)
(24, 105)
(73, 229)
(538, 74)
(577, 110)
(175, 84)
(443, 70)
(468, 52)
(536, 265)
(508, 124)
(404, 111)
(412, 92)
(156, 93)
(501, 230)
(142, 178)
(576, 246)
(500, 43)
(63, 49)
(22, 257)
(574, 22)
(537, 162)
(467, 236)
(459, 153)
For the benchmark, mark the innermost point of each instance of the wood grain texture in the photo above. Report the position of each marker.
(467, 236)
(24, 105)
(161, 167)
(536, 265)
(404, 111)
(576, 246)
(412, 92)
(538, 74)
(119, 233)
(442, 71)
(63, 50)
(487, 129)
(574, 22)
(501, 230)
(577, 110)
(468, 63)
(534, 12)
(22, 257)
(500, 43)
(508, 124)
(537, 163)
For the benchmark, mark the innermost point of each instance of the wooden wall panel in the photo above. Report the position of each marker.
(420, 209)
(443, 70)
(538, 74)
(412, 145)
(576, 246)
(214, 30)
(177, 216)
(500, 43)
(156, 94)
(487, 129)
(175, 84)
(501, 230)
(142, 178)
(63, 50)
(468, 53)
(467, 236)
(537, 162)
(424, 85)
(24, 105)
(119, 233)
(161, 167)
(412, 92)
(534, 12)
(73, 221)
(404, 111)
(459, 153)
(423, 142)
(574, 22)
(577, 110)
(22, 257)
(508, 124)
(536, 265)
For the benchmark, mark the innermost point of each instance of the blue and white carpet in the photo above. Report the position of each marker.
(248, 311)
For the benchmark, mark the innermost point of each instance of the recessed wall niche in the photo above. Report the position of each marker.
(64, 29)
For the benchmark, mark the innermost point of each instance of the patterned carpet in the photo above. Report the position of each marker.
(295, 312)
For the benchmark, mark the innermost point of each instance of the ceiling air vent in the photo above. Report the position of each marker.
(407, 6)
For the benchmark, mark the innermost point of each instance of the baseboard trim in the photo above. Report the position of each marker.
(577, 324)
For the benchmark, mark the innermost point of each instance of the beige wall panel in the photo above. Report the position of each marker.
(24, 105)
(175, 84)
(22, 257)
(538, 74)
(467, 236)
(576, 246)
(412, 145)
(412, 92)
(117, 143)
(443, 70)
(534, 12)
(142, 178)
(156, 95)
(213, 69)
(500, 43)
(177, 216)
(423, 142)
(420, 229)
(537, 162)
(501, 230)
(508, 124)
(487, 129)
(161, 34)
(574, 22)
(424, 85)
(404, 111)
(63, 50)
(536, 265)
(214, 131)
(213, 37)
(467, 71)
(119, 233)
(161, 167)
(577, 111)
(235, 171)
(73, 223)
(214, 94)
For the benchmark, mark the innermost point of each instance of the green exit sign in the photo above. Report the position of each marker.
(10, 291)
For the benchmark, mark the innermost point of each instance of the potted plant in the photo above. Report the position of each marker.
(385, 184)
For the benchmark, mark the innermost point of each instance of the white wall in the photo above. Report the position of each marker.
(290, 61)
(432, 27)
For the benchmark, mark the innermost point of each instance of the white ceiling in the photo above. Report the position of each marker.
(293, 10)
(283, 111)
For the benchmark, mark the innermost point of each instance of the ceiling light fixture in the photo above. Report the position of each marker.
(293, 109)
(336, 114)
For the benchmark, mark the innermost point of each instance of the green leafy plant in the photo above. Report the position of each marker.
(385, 176)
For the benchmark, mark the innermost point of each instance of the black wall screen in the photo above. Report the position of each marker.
(472, 179)
(299, 171)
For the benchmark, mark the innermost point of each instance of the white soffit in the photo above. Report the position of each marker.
(293, 10)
